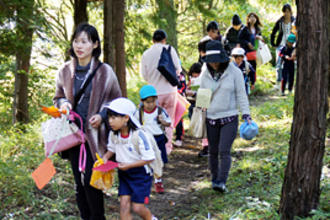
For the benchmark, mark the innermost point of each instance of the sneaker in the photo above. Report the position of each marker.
(220, 187)
(159, 187)
(178, 143)
(204, 152)
(283, 94)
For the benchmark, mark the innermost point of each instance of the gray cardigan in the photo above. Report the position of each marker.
(227, 93)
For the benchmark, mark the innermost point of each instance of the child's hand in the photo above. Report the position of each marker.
(105, 159)
(162, 121)
(95, 120)
(106, 156)
(123, 166)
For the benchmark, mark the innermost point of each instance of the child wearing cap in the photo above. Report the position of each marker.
(154, 118)
(247, 69)
(134, 175)
(288, 58)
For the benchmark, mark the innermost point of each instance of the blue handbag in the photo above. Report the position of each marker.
(248, 131)
(166, 67)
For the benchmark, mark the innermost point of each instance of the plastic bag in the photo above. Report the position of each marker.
(263, 54)
(197, 126)
(248, 131)
(101, 180)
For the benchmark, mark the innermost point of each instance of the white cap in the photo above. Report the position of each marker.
(238, 51)
(124, 106)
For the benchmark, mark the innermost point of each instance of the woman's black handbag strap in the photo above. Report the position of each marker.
(84, 86)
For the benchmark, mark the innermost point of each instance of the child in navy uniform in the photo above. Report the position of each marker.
(288, 63)
(154, 119)
(247, 69)
(179, 130)
(135, 177)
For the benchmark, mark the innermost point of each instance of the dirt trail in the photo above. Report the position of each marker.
(184, 170)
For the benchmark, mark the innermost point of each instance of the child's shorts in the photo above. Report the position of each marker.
(161, 142)
(136, 183)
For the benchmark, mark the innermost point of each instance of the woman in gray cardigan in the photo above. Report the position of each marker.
(228, 92)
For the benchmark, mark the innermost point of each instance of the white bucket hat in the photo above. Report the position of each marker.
(124, 106)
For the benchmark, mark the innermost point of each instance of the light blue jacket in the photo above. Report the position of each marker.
(227, 93)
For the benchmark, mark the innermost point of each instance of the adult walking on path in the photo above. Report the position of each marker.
(228, 92)
(104, 87)
(284, 27)
(166, 92)
(238, 35)
(254, 25)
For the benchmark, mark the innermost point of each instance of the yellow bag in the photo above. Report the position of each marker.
(101, 180)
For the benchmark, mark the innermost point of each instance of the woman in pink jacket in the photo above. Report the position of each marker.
(104, 87)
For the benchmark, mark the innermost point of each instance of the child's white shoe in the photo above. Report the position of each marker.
(178, 143)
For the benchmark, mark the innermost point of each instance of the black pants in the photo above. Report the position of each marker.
(179, 130)
(287, 76)
(221, 138)
(89, 199)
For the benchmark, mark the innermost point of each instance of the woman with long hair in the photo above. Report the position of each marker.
(254, 25)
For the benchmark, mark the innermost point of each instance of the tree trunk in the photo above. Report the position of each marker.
(80, 12)
(119, 41)
(23, 54)
(168, 13)
(108, 33)
(301, 187)
(114, 39)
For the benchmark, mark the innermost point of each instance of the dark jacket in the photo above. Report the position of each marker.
(287, 51)
(278, 27)
(248, 72)
(234, 37)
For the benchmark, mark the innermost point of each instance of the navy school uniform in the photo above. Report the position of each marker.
(249, 74)
(288, 68)
(182, 90)
(135, 182)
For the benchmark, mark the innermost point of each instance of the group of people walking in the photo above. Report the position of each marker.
(222, 67)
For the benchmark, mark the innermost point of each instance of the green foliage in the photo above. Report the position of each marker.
(258, 167)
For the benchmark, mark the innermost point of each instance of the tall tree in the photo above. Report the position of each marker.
(119, 41)
(108, 26)
(301, 187)
(24, 32)
(114, 39)
(80, 12)
(168, 14)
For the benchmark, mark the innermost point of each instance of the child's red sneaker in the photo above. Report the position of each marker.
(159, 187)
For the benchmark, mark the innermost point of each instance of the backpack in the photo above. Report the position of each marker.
(157, 164)
(166, 67)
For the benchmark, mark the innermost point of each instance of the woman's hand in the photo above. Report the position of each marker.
(250, 46)
(95, 120)
(65, 106)
(259, 37)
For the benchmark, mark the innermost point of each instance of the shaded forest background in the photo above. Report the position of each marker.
(52, 22)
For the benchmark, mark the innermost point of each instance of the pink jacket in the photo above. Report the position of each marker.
(105, 87)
